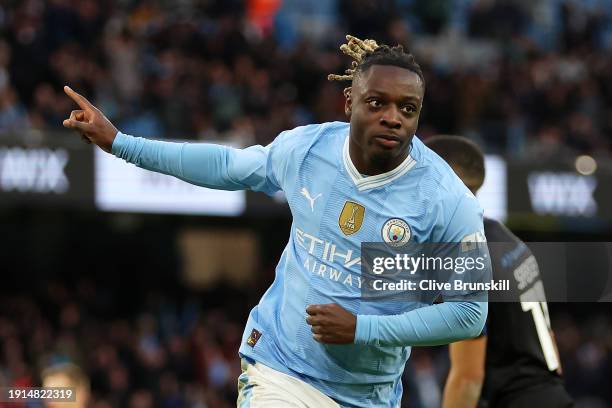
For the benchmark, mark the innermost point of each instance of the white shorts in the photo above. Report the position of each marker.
(261, 386)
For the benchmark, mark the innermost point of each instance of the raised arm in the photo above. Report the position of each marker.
(203, 164)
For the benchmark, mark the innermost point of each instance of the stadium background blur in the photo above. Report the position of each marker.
(152, 306)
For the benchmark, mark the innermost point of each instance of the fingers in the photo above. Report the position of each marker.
(319, 321)
(321, 334)
(318, 330)
(317, 318)
(78, 115)
(330, 323)
(313, 309)
(320, 309)
(79, 99)
(314, 318)
(327, 339)
(82, 127)
(76, 120)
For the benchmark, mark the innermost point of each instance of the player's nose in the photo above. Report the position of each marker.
(391, 118)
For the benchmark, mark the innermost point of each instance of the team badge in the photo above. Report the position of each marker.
(396, 232)
(351, 217)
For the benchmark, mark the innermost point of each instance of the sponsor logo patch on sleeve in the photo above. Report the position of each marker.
(253, 338)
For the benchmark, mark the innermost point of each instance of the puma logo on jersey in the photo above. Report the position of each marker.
(312, 200)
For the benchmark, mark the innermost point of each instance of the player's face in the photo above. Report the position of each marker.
(383, 104)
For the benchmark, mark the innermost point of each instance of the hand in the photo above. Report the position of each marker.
(331, 324)
(90, 122)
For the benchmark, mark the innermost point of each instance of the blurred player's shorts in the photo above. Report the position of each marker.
(261, 386)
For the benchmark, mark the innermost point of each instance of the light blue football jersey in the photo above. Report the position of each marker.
(321, 262)
(335, 209)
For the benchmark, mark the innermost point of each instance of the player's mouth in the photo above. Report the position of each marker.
(387, 141)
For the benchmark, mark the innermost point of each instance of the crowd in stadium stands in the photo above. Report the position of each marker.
(524, 78)
(170, 355)
(174, 352)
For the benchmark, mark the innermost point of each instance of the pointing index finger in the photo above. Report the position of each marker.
(79, 99)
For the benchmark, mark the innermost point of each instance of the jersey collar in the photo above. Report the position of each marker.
(370, 182)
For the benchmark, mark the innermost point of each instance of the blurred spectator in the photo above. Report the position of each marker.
(502, 71)
(13, 115)
(67, 376)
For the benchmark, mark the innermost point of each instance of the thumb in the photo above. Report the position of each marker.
(77, 125)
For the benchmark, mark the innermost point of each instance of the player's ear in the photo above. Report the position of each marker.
(348, 105)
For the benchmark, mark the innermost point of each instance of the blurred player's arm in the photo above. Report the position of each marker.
(559, 369)
(466, 375)
(202, 164)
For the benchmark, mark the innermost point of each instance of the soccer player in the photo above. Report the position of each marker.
(516, 358)
(311, 341)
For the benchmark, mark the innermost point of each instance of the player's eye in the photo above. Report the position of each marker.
(374, 103)
(409, 109)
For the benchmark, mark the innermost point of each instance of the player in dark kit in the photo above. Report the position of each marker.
(515, 363)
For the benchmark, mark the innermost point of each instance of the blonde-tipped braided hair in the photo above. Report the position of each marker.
(356, 49)
(369, 52)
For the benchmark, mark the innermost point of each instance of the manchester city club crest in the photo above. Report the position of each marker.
(396, 232)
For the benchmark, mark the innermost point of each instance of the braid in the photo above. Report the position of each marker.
(366, 53)
(356, 49)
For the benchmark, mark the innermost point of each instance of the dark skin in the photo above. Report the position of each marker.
(383, 106)
(331, 323)
(384, 103)
(93, 126)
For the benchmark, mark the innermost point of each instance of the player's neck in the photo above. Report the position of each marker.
(370, 166)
